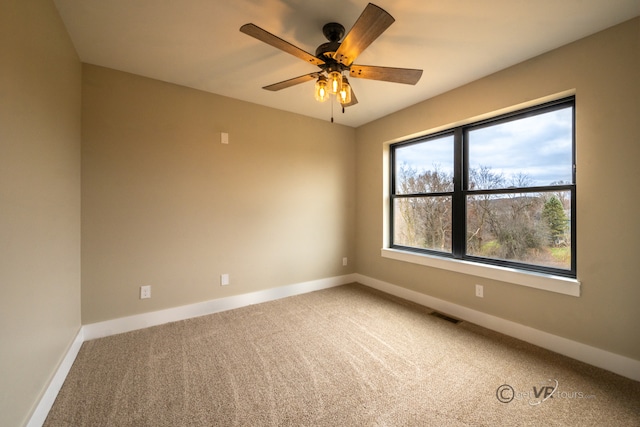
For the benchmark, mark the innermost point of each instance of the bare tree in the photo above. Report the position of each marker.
(479, 207)
(424, 221)
(508, 224)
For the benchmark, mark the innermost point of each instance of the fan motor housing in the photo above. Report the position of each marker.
(326, 50)
(333, 31)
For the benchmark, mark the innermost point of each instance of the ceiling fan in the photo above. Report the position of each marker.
(336, 57)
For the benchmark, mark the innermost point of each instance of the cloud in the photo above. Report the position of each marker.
(428, 155)
(538, 146)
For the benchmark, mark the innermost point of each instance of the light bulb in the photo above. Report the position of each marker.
(335, 81)
(344, 96)
(322, 89)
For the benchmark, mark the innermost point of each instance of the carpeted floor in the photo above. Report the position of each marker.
(346, 356)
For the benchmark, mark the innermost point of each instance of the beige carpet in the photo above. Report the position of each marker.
(346, 356)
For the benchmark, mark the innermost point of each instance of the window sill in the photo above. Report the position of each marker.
(547, 282)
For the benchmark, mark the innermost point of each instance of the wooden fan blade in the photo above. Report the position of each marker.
(275, 41)
(292, 82)
(372, 22)
(388, 74)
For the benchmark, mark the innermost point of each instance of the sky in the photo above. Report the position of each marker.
(538, 146)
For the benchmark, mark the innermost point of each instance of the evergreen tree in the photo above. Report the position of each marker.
(553, 213)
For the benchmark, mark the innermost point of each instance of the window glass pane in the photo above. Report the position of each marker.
(527, 152)
(423, 222)
(424, 167)
(532, 228)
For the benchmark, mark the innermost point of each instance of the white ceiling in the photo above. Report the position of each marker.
(197, 43)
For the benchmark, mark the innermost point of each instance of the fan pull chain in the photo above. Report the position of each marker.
(331, 111)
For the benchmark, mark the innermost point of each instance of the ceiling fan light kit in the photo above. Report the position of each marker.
(336, 57)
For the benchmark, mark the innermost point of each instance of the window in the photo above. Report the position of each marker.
(500, 191)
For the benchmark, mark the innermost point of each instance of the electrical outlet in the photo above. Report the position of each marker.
(224, 280)
(145, 292)
(480, 291)
(345, 261)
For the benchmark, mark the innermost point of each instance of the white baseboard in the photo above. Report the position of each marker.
(130, 323)
(145, 320)
(51, 392)
(616, 363)
(621, 365)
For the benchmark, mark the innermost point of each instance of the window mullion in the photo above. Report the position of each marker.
(459, 210)
(392, 194)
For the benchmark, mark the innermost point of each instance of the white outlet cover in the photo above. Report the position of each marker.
(224, 280)
(145, 292)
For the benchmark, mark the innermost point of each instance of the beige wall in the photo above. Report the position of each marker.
(40, 83)
(165, 204)
(603, 71)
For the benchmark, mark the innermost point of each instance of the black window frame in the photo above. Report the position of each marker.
(461, 191)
